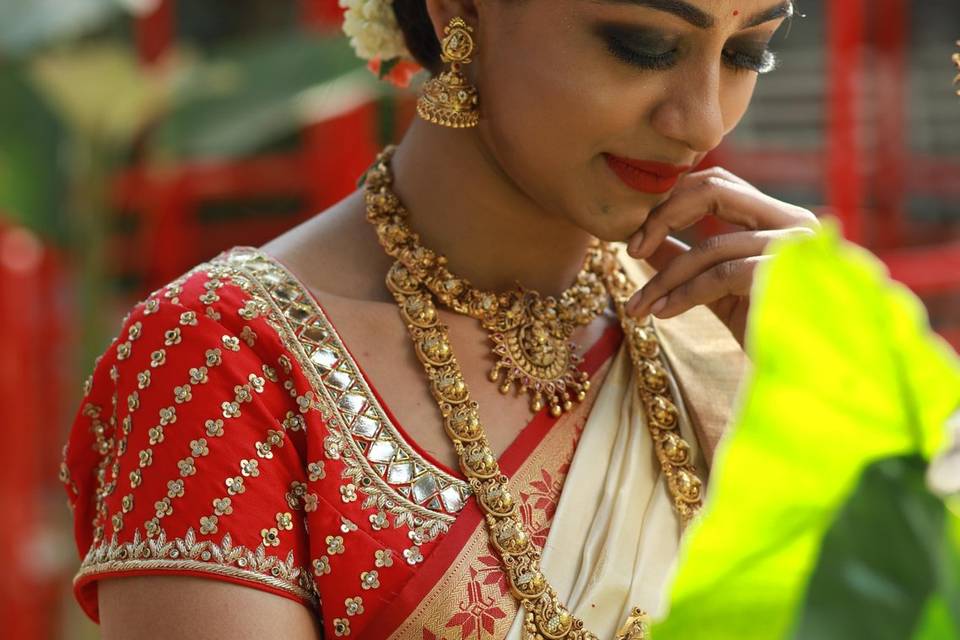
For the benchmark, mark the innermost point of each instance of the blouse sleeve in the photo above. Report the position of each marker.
(186, 453)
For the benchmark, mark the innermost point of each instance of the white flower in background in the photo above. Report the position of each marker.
(373, 30)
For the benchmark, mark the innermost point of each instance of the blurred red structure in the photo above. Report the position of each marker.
(31, 392)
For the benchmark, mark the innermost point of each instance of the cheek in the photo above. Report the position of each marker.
(548, 114)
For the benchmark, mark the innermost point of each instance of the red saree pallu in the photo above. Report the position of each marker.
(228, 433)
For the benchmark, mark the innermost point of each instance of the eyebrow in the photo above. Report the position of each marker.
(703, 20)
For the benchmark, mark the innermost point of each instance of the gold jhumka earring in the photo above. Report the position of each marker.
(956, 61)
(449, 99)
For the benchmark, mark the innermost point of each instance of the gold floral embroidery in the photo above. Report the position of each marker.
(316, 471)
(296, 493)
(249, 468)
(214, 428)
(188, 553)
(222, 506)
(248, 335)
(321, 566)
(214, 357)
(208, 524)
(413, 555)
(235, 485)
(199, 448)
(383, 558)
(182, 394)
(379, 521)
(354, 606)
(341, 627)
(348, 492)
(335, 545)
(370, 579)
(347, 525)
(271, 537)
(285, 521)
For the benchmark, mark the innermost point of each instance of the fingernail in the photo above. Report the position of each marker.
(634, 303)
(658, 305)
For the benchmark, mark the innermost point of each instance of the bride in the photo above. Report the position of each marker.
(479, 397)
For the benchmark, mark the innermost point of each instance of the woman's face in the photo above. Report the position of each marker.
(570, 89)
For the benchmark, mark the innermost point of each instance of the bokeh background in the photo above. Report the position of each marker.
(140, 137)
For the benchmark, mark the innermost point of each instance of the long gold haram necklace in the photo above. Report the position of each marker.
(530, 333)
(546, 617)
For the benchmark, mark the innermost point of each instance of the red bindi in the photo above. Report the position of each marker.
(736, 12)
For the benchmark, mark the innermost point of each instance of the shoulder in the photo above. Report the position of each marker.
(336, 252)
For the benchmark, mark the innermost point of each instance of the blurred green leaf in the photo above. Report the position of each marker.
(251, 95)
(26, 24)
(882, 561)
(845, 372)
(100, 89)
(32, 171)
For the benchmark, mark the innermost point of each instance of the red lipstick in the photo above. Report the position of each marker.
(645, 176)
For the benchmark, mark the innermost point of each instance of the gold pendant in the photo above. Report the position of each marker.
(535, 355)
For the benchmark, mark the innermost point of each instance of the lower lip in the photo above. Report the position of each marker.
(638, 179)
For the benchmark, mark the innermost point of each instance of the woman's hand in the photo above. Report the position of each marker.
(719, 271)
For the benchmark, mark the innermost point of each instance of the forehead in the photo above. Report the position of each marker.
(709, 14)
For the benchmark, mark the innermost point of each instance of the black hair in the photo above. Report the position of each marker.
(418, 33)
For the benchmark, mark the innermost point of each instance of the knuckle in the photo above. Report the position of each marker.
(715, 182)
(725, 270)
(710, 246)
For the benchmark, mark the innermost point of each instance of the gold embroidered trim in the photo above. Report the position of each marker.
(188, 553)
(384, 466)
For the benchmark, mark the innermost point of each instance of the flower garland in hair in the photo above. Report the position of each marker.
(376, 37)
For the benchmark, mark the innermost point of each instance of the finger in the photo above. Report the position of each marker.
(734, 277)
(669, 249)
(710, 252)
(713, 250)
(735, 202)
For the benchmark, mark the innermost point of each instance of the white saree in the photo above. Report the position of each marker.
(615, 536)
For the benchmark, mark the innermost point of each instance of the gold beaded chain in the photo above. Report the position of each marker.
(530, 333)
(546, 617)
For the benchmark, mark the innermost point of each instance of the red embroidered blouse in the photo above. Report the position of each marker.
(228, 433)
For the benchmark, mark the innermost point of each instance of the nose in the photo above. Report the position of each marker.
(691, 111)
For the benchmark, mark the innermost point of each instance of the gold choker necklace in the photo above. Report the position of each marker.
(545, 618)
(530, 333)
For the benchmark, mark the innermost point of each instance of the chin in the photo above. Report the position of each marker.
(619, 222)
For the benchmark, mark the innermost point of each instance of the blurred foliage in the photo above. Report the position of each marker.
(884, 561)
(28, 24)
(846, 374)
(248, 94)
(31, 168)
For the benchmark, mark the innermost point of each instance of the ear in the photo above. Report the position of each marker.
(443, 11)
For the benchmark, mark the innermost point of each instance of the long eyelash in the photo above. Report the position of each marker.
(644, 61)
(764, 63)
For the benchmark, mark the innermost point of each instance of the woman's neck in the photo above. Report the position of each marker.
(464, 207)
